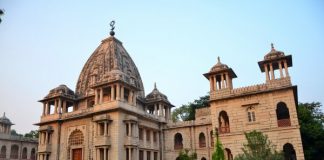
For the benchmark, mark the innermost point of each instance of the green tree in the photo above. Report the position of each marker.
(184, 155)
(14, 133)
(258, 147)
(187, 112)
(218, 153)
(311, 121)
(32, 134)
(1, 13)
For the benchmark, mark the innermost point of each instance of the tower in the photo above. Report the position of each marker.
(5, 125)
(275, 60)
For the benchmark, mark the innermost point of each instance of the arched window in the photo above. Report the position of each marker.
(178, 141)
(211, 138)
(76, 138)
(3, 152)
(289, 152)
(32, 154)
(14, 152)
(251, 114)
(223, 120)
(202, 140)
(203, 158)
(24, 153)
(228, 154)
(283, 117)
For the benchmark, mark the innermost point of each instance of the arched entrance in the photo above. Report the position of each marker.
(75, 145)
(289, 152)
(223, 120)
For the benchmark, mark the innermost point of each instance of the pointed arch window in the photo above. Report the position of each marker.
(202, 140)
(223, 120)
(283, 117)
(3, 152)
(178, 141)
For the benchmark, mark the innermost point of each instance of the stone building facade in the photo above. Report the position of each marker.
(15, 147)
(108, 117)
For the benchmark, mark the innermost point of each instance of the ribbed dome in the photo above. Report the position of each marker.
(156, 95)
(109, 62)
(273, 54)
(61, 90)
(5, 120)
(218, 66)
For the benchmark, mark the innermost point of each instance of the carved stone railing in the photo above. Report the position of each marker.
(77, 113)
(131, 141)
(102, 141)
(284, 123)
(44, 148)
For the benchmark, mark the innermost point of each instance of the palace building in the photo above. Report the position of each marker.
(15, 146)
(109, 117)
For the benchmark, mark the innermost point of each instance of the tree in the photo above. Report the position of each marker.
(184, 155)
(258, 147)
(218, 153)
(311, 121)
(1, 13)
(14, 133)
(32, 134)
(187, 112)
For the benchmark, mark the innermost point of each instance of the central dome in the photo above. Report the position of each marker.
(108, 63)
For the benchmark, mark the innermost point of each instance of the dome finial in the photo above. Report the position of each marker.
(4, 114)
(112, 25)
(154, 85)
(218, 60)
(272, 47)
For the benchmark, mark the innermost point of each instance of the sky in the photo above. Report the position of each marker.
(46, 43)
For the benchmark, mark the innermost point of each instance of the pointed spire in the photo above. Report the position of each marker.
(272, 47)
(155, 85)
(4, 114)
(218, 60)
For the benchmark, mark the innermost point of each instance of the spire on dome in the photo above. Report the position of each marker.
(112, 25)
(155, 85)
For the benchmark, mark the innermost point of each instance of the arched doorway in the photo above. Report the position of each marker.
(3, 152)
(32, 154)
(14, 152)
(202, 140)
(178, 141)
(203, 158)
(289, 152)
(223, 120)
(283, 117)
(228, 154)
(24, 153)
(75, 145)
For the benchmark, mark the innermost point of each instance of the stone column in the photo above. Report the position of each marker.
(129, 153)
(117, 92)
(98, 154)
(227, 80)
(112, 92)
(96, 96)
(266, 71)
(105, 128)
(122, 93)
(134, 99)
(60, 106)
(144, 136)
(155, 110)
(47, 108)
(44, 108)
(130, 129)
(280, 69)
(272, 72)
(46, 137)
(223, 82)
(286, 68)
(211, 83)
(64, 107)
(101, 96)
(215, 83)
(105, 153)
(130, 97)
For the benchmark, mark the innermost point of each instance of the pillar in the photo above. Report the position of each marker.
(59, 106)
(44, 109)
(227, 80)
(117, 92)
(130, 129)
(129, 153)
(211, 83)
(266, 71)
(155, 110)
(105, 128)
(122, 93)
(101, 95)
(223, 82)
(64, 107)
(105, 153)
(96, 96)
(134, 98)
(112, 93)
(46, 137)
(130, 97)
(98, 154)
(272, 72)
(48, 108)
(215, 82)
(286, 68)
(280, 69)
(144, 136)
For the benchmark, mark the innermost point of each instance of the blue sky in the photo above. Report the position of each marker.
(45, 43)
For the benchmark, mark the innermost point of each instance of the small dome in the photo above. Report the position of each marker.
(273, 54)
(218, 66)
(156, 95)
(60, 90)
(5, 120)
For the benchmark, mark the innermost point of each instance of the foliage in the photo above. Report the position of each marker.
(218, 153)
(32, 134)
(1, 13)
(311, 121)
(258, 147)
(183, 155)
(14, 133)
(187, 112)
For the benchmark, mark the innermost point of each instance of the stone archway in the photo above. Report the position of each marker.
(75, 149)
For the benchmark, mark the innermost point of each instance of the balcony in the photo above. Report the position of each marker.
(102, 141)
(45, 148)
(284, 123)
(131, 141)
